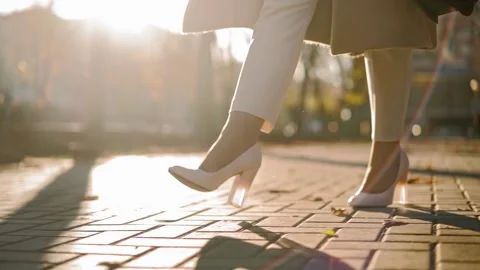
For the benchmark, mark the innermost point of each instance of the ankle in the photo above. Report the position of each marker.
(383, 151)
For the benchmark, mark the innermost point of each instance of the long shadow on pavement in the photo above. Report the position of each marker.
(349, 163)
(413, 211)
(67, 190)
(231, 253)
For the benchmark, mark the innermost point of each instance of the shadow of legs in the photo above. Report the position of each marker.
(231, 253)
(67, 190)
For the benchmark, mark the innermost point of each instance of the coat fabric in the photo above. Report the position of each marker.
(348, 26)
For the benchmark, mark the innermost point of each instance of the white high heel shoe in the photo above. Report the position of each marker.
(244, 167)
(382, 199)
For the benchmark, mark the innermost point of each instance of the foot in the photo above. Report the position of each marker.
(383, 167)
(239, 134)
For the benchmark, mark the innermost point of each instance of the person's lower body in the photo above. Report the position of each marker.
(266, 74)
(388, 74)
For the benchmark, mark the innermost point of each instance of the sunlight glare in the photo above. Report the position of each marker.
(126, 15)
(142, 181)
(7, 6)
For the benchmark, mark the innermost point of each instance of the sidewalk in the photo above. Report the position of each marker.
(128, 213)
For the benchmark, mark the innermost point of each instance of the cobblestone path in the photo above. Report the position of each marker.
(128, 213)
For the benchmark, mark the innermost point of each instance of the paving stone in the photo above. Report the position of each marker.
(224, 263)
(457, 266)
(61, 225)
(163, 257)
(24, 221)
(23, 266)
(306, 240)
(459, 239)
(101, 228)
(99, 249)
(355, 264)
(237, 235)
(393, 259)
(411, 229)
(383, 213)
(5, 239)
(366, 220)
(235, 248)
(363, 225)
(325, 218)
(467, 253)
(280, 221)
(345, 253)
(220, 212)
(265, 209)
(12, 227)
(276, 214)
(295, 230)
(106, 237)
(37, 243)
(414, 220)
(222, 226)
(43, 257)
(357, 235)
(72, 234)
(376, 245)
(94, 262)
(153, 223)
(411, 238)
(458, 232)
(224, 218)
(172, 215)
(163, 242)
(168, 231)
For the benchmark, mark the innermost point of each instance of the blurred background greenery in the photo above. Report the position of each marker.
(70, 82)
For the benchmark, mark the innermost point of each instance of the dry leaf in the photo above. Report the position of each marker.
(109, 265)
(317, 199)
(330, 233)
(339, 211)
(279, 191)
(420, 181)
(392, 223)
(90, 198)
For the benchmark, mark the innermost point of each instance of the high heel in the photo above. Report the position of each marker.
(382, 199)
(244, 167)
(241, 186)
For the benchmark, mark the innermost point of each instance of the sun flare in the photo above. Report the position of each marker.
(125, 15)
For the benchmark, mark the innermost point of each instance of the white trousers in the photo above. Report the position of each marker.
(273, 56)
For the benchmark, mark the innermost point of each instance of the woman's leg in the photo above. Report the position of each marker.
(388, 74)
(264, 79)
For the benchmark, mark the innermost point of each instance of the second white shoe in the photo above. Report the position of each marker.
(382, 199)
(244, 167)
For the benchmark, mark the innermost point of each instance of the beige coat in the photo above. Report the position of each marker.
(348, 26)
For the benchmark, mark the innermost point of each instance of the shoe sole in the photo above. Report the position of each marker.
(188, 183)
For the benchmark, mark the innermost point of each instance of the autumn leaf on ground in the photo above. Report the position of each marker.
(90, 198)
(279, 191)
(339, 211)
(420, 181)
(330, 233)
(392, 223)
(317, 199)
(109, 265)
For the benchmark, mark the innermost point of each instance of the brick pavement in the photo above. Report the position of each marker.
(127, 213)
